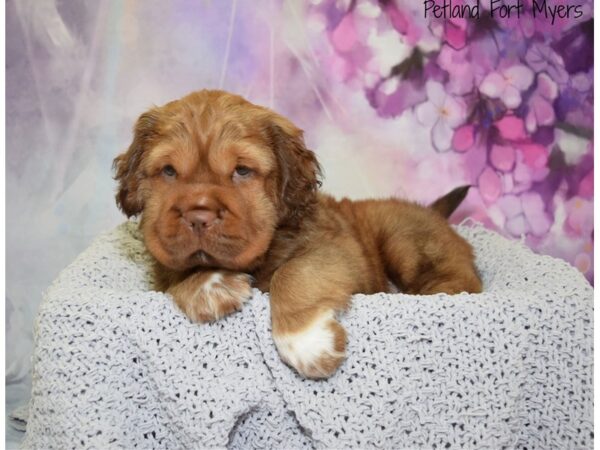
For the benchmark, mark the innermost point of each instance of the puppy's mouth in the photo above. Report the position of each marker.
(202, 258)
(207, 251)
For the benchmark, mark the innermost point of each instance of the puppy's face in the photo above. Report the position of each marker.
(213, 177)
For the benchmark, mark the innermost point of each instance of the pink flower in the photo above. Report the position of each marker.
(510, 205)
(460, 69)
(464, 138)
(507, 84)
(490, 185)
(442, 112)
(511, 128)
(469, 65)
(522, 176)
(541, 109)
(524, 214)
(407, 18)
(533, 209)
(503, 157)
(534, 155)
(580, 216)
(530, 166)
(455, 32)
(344, 37)
(404, 23)
(519, 165)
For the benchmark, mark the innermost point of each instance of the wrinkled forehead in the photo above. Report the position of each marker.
(200, 139)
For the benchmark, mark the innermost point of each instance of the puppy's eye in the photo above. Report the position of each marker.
(242, 172)
(169, 171)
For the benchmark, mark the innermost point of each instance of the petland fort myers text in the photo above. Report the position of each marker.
(501, 8)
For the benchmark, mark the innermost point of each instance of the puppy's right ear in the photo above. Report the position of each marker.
(127, 166)
(299, 171)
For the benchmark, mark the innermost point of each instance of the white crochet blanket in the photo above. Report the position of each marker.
(118, 366)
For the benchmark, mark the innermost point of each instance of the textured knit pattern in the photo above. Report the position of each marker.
(117, 365)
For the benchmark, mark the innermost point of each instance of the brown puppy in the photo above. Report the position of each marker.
(227, 188)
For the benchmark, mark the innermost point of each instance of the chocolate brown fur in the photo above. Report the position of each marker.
(244, 200)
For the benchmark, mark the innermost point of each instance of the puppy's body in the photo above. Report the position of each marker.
(227, 188)
(382, 240)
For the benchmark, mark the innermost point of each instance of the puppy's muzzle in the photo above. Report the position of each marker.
(200, 218)
(201, 213)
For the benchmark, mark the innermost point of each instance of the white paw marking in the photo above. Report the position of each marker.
(215, 279)
(215, 289)
(206, 291)
(305, 349)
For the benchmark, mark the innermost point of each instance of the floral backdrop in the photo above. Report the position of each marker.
(393, 103)
(511, 98)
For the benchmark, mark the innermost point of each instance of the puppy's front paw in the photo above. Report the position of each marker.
(207, 296)
(317, 350)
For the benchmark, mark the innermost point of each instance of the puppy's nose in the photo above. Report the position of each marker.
(200, 218)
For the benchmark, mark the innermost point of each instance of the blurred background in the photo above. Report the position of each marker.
(393, 104)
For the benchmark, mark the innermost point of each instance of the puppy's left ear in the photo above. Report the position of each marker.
(127, 166)
(299, 171)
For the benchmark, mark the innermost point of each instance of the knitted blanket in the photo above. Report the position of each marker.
(117, 365)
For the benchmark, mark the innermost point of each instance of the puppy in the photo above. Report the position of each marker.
(228, 195)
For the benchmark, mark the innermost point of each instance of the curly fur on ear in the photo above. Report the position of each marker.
(127, 165)
(299, 173)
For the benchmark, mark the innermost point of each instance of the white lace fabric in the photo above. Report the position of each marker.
(117, 365)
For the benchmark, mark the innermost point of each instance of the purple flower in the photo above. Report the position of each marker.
(443, 112)
(524, 214)
(541, 58)
(507, 84)
(541, 109)
(460, 70)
